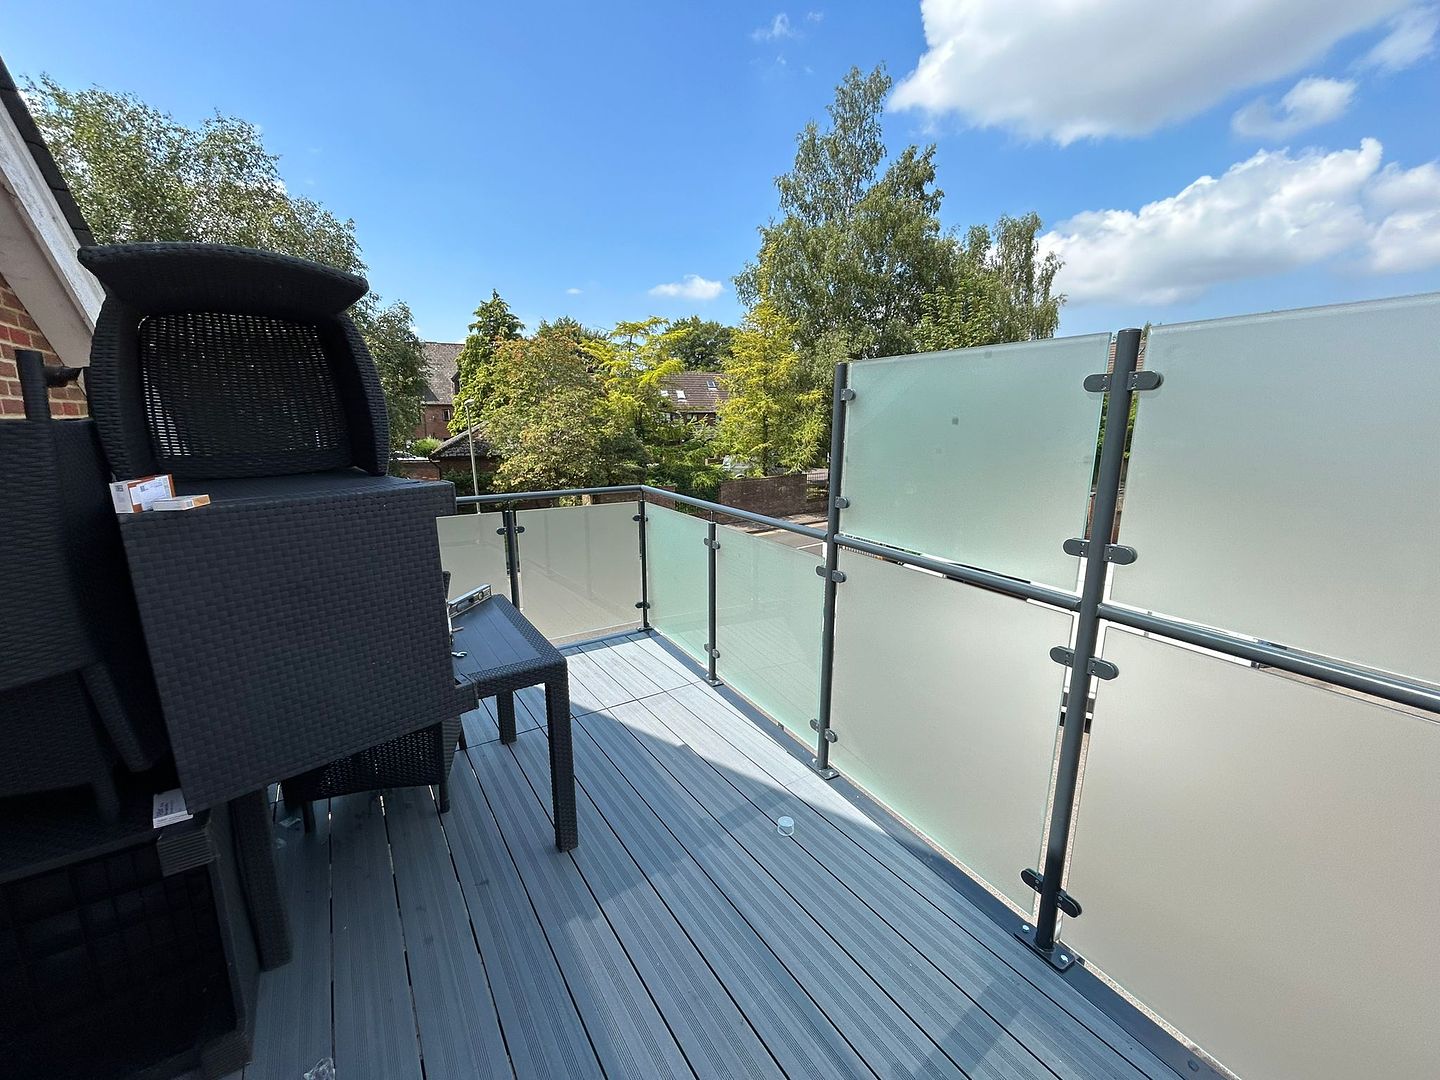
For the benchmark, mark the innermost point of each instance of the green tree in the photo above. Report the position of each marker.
(389, 333)
(775, 418)
(139, 175)
(999, 289)
(546, 417)
(857, 249)
(477, 364)
(700, 344)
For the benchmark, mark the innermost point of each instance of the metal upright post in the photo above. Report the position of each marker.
(840, 395)
(644, 604)
(1084, 664)
(512, 553)
(712, 651)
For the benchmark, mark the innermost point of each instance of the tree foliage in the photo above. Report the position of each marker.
(999, 289)
(775, 417)
(477, 362)
(857, 266)
(139, 175)
(571, 407)
(545, 417)
(389, 333)
(857, 248)
(700, 344)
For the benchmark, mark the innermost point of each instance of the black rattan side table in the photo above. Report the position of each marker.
(505, 653)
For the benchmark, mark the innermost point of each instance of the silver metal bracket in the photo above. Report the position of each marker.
(841, 502)
(830, 735)
(713, 545)
(1061, 957)
(823, 771)
(847, 394)
(712, 652)
(1119, 554)
(1101, 669)
(836, 576)
(638, 517)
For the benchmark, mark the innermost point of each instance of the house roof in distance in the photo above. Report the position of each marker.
(696, 391)
(441, 356)
(458, 446)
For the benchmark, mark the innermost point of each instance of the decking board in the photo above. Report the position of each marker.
(683, 937)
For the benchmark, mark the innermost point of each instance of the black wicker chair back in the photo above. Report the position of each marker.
(214, 362)
(76, 691)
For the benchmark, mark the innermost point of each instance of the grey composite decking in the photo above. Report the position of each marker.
(685, 936)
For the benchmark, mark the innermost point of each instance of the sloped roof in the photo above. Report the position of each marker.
(458, 446)
(696, 391)
(25, 123)
(440, 381)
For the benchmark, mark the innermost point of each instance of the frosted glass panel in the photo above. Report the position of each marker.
(981, 456)
(580, 568)
(472, 552)
(768, 600)
(1284, 481)
(1257, 860)
(679, 578)
(947, 706)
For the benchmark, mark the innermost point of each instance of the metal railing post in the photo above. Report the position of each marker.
(512, 553)
(1082, 661)
(712, 650)
(644, 604)
(840, 395)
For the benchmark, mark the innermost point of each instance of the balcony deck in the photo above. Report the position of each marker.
(684, 936)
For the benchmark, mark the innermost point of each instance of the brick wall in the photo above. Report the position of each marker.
(434, 422)
(773, 496)
(18, 331)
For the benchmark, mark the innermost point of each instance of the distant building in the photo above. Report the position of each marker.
(440, 387)
(697, 394)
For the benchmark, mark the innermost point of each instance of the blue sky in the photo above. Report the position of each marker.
(576, 156)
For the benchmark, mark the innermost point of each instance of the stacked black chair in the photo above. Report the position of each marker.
(297, 624)
(76, 695)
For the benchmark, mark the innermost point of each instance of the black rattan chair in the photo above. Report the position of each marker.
(298, 620)
(76, 697)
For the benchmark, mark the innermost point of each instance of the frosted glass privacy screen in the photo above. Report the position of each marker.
(947, 704)
(1257, 860)
(767, 604)
(980, 456)
(472, 552)
(679, 577)
(580, 568)
(1285, 481)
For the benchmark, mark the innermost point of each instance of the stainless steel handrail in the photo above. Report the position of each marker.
(1382, 685)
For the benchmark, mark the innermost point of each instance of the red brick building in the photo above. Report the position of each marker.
(440, 387)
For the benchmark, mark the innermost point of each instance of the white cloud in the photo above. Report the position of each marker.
(1309, 103)
(814, 16)
(1410, 40)
(690, 287)
(1269, 214)
(1071, 69)
(1409, 236)
(778, 29)
(573, 291)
